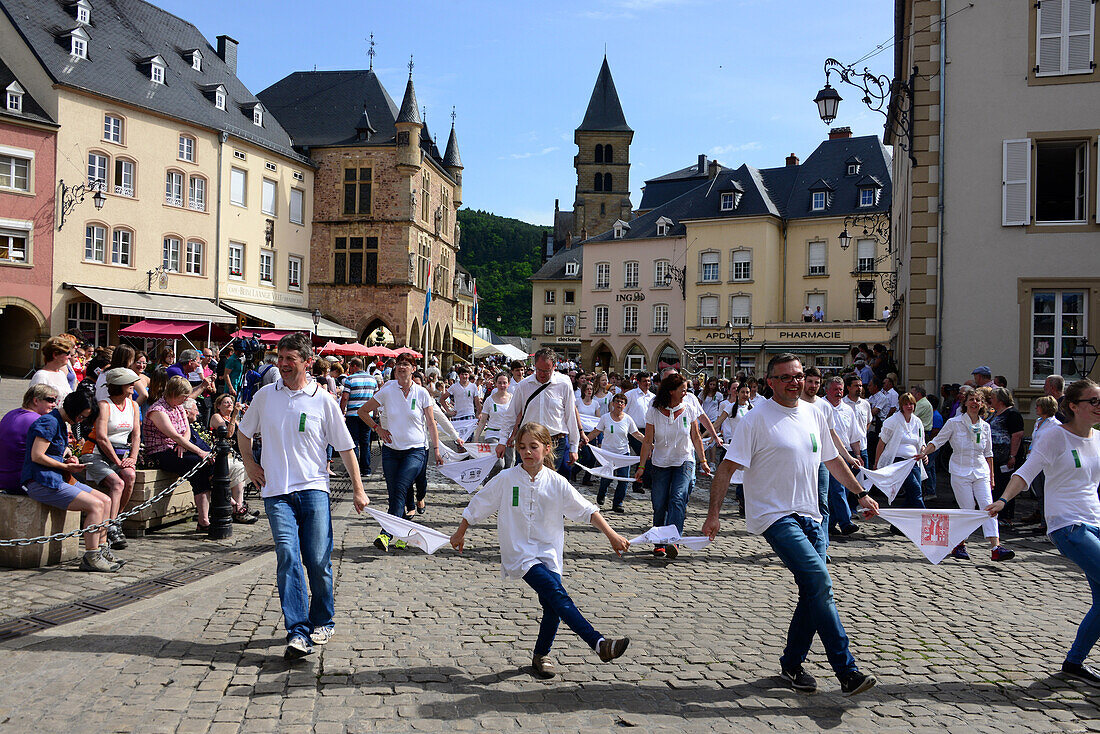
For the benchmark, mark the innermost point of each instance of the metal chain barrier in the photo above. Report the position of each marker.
(121, 516)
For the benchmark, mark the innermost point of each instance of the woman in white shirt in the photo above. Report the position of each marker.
(616, 427)
(711, 399)
(1046, 408)
(671, 440)
(902, 437)
(409, 426)
(55, 372)
(1069, 455)
(491, 423)
(602, 394)
(730, 412)
(971, 469)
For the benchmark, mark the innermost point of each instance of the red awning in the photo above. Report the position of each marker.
(412, 352)
(381, 352)
(165, 329)
(267, 336)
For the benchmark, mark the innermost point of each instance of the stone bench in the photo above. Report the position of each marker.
(22, 517)
(175, 507)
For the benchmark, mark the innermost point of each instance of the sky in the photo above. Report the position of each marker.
(734, 79)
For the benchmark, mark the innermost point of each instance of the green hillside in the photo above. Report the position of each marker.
(501, 253)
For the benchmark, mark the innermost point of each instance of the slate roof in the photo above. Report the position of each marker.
(451, 159)
(554, 268)
(32, 111)
(409, 112)
(123, 33)
(324, 107)
(779, 192)
(604, 112)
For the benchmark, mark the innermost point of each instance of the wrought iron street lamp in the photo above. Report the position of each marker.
(677, 274)
(1084, 357)
(70, 196)
(875, 226)
(730, 328)
(893, 99)
(316, 320)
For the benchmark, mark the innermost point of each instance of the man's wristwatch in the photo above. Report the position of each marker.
(861, 495)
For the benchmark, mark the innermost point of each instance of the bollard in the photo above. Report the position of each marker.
(221, 509)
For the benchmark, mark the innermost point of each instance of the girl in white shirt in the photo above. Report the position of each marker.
(971, 469)
(730, 412)
(1069, 455)
(491, 424)
(671, 440)
(615, 426)
(530, 501)
(602, 394)
(902, 437)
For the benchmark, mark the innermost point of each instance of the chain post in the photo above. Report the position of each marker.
(221, 510)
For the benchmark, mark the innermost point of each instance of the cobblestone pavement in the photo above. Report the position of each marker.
(438, 643)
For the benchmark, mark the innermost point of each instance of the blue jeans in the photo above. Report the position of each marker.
(401, 468)
(561, 448)
(840, 514)
(800, 544)
(930, 468)
(823, 497)
(671, 485)
(360, 435)
(620, 487)
(910, 494)
(1081, 544)
(301, 525)
(556, 607)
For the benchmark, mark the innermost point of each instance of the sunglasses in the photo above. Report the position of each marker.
(51, 401)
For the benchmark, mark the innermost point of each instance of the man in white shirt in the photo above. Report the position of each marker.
(546, 397)
(853, 387)
(463, 396)
(845, 430)
(780, 445)
(810, 387)
(299, 420)
(516, 368)
(888, 402)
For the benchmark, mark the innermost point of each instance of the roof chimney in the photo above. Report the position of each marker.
(792, 160)
(714, 169)
(838, 133)
(702, 163)
(227, 50)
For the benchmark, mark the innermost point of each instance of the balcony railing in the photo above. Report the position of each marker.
(124, 191)
(198, 205)
(171, 200)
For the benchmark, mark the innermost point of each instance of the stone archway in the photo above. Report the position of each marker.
(437, 341)
(414, 336)
(666, 355)
(603, 357)
(634, 359)
(369, 334)
(21, 322)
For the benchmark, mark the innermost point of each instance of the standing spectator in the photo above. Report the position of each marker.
(227, 411)
(1053, 387)
(819, 315)
(233, 369)
(55, 372)
(294, 484)
(982, 376)
(359, 387)
(432, 373)
(37, 401)
(807, 314)
(190, 368)
(547, 398)
(672, 439)
(902, 437)
(1006, 426)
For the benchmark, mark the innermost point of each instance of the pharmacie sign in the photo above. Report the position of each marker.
(818, 335)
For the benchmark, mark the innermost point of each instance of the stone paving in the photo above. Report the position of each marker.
(438, 643)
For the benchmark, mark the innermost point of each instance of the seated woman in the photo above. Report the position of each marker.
(168, 443)
(110, 453)
(47, 470)
(37, 401)
(226, 412)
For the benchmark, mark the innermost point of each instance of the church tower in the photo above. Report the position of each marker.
(602, 161)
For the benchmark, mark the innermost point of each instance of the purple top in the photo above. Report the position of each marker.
(176, 371)
(13, 445)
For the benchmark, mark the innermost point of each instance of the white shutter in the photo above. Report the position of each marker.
(296, 206)
(267, 205)
(1049, 41)
(236, 186)
(1079, 32)
(1016, 181)
(817, 257)
(865, 249)
(708, 310)
(740, 309)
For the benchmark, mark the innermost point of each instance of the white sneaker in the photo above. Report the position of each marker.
(298, 647)
(321, 635)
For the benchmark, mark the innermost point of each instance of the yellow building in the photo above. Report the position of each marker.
(764, 249)
(205, 201)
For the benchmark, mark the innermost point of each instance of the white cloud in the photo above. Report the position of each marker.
(727, 149)
(529, 154)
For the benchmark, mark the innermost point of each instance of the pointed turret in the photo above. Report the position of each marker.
(604, 112)
(409, 126)
(452, 161)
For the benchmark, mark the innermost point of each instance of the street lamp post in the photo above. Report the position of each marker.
(893, 99)
(316, 321)
(70, 196)
(875, 226)
(740, 340)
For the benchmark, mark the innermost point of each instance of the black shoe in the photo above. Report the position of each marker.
(800, 680)
(638, 490)
(618, 508)
(1080, 672)
(856, 682)
(853, 528)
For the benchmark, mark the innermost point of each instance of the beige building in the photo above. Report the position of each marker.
(997, 212)
(556, 297)
(205, 200)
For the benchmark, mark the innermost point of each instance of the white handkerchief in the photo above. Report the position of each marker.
(589, 422)
(708, 441)
(615, 461)
(658, 536)
(449, 455)
(695, 542)
(889, 479)
(935, 532)
(465, 428)
(605, 472)
(470, 473)
(419, 536)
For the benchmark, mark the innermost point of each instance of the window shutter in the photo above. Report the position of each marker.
(710, 258)
(1016, 181)
(708, 308)
(817, 255)
(1048, 44)
(740, 308)
(865, 249)
(1079, 36)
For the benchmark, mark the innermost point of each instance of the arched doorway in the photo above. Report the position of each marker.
(669, 356)
(375, 329)
(634, 359)
(20, 324)
(437, 340)
(414, 336)
(603, 359)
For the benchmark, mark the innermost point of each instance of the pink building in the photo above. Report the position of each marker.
(28, 140)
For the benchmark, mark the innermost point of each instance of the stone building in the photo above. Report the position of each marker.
(603, 169)
(385, 204)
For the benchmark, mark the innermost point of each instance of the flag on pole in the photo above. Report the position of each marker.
(427, 300)
(475, 305)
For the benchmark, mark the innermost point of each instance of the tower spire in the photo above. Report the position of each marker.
(604, 112)
(370, 54)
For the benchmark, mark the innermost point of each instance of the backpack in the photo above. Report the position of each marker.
(252, 383)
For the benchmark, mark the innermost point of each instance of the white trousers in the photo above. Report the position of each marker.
(975, 493)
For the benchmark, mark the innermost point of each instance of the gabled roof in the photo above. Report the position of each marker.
(32, 111)
(828, 165)
(866, 181)
(324, 107)
(125, 31)
(604, 112)
(554, 268)
(820, 185)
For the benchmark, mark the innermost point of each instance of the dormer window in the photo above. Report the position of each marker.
(819, 195)
(620, 229)
(571, 267)
(663, 225)
(83, 12)
(730, 200)
(14, 98)
(867, 197)
(819, 199)
(78, 43)
(219, 99)
(257, 115)
(157, 69)
(853, 169)
(196, 60)
(852, 166)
